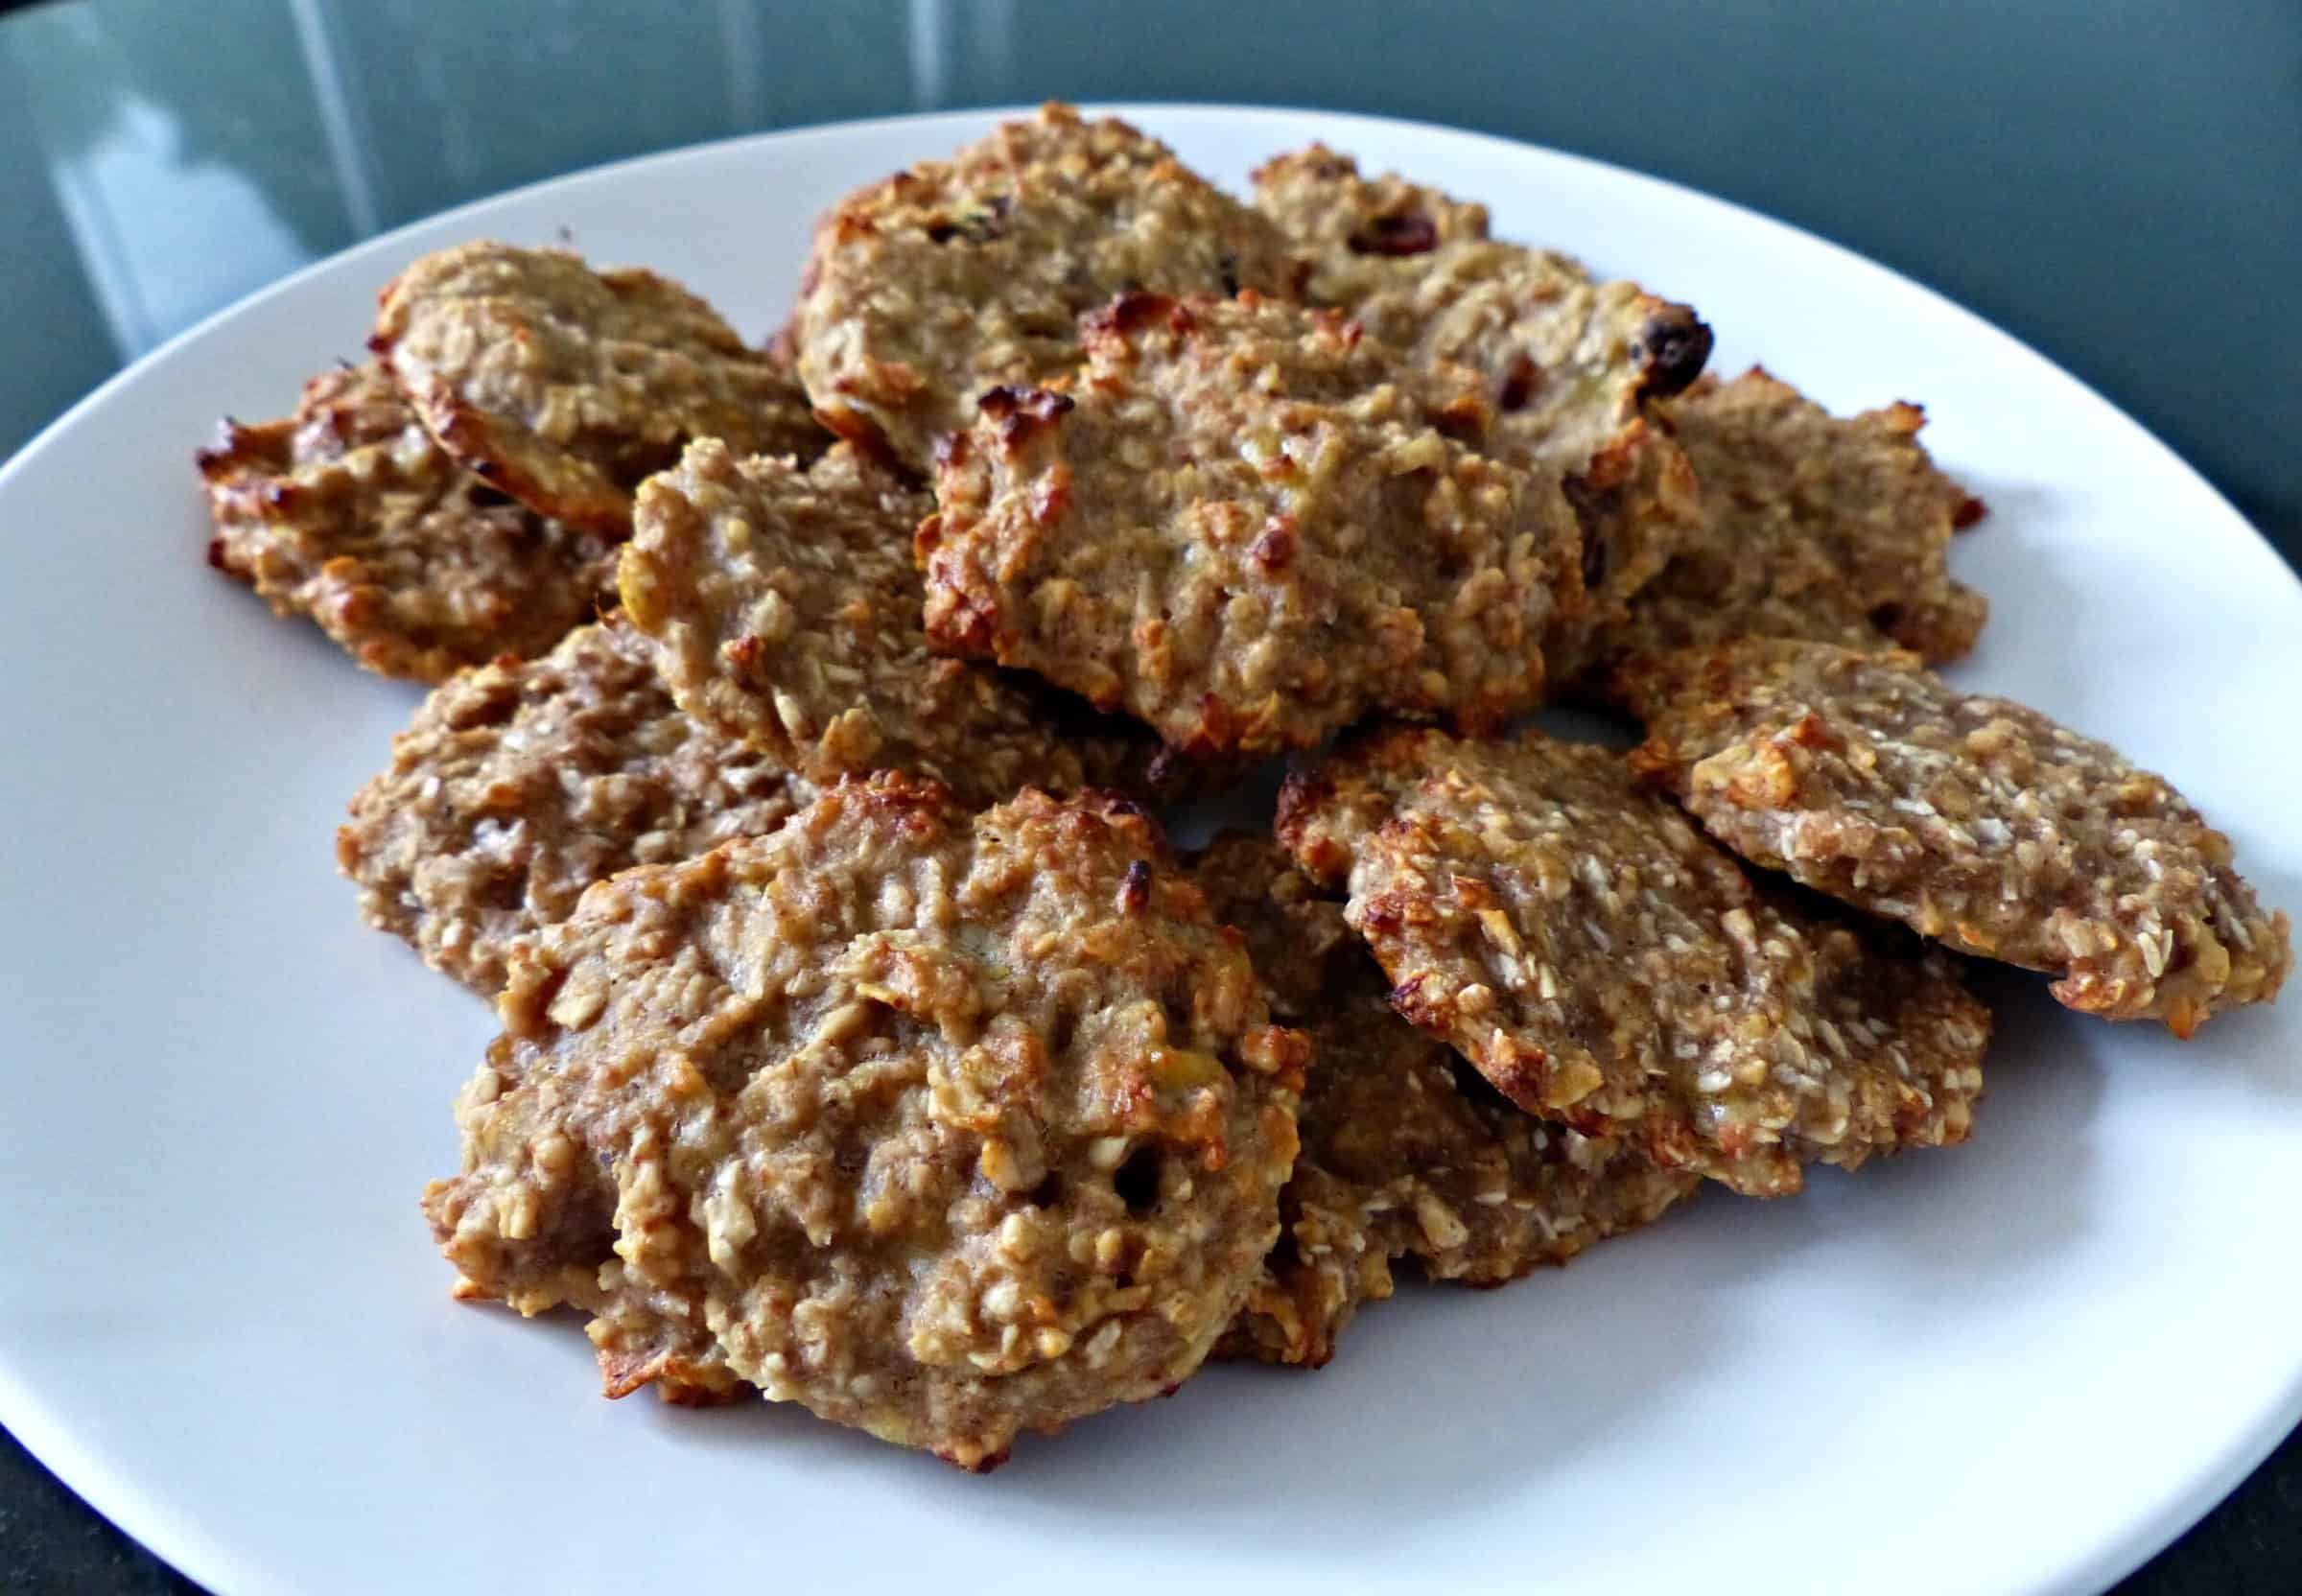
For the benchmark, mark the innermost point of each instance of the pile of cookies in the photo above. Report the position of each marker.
(801, 716)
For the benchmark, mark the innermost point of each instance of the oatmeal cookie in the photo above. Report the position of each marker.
(1249, 526)
(565, 387)
(1604, 965)
(1813, 527)
(558, 1252)
(1570, 365)
(1363, 239)
(784, 611)
(1568, 358)
(1296, 936)
(348, 512)
(520, 783)
(955, 277)
(1406, 1153)
(1973, 820)
(944, 1125)
(1638, 505)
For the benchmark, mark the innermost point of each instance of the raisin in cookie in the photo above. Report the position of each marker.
(349, 512)
(1605, 967)
(1571, 365)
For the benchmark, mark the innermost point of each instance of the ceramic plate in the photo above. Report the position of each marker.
(2021, 1364)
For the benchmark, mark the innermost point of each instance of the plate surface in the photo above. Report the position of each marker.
(2021, 1364)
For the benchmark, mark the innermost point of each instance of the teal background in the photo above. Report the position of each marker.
(2117, 181)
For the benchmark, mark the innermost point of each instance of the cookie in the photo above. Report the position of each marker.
(785, 612)
(1816, 528)
(1294, 934)
(349, 513)
(946, 1126)
(1364, 240)
(565, 387)
(1568, 358)
(928, 290)
(520, 783)
(1570, 365)
(1248, 527)
(1406, 1152)
(1571, 934)
(1973, 820)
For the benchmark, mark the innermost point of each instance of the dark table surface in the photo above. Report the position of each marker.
(2119, 182)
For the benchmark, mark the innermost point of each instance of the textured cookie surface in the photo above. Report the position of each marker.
(1816, 528)
(1973, 820)
(786, 612)
(1605, 967)
(1567, 358)
(349, 513)
(564, 387)
(1249, 526)
(958, 277)
(520, 783)
(1570, 365)
(1406, 1153)
(945, 1126)
(1363, 238)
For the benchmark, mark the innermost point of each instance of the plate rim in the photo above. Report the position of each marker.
(213, 1562)
(1144, 110)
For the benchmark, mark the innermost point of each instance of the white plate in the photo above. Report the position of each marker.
(2019, 1365)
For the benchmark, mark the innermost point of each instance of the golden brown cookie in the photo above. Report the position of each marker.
(947, 1126)
(565, 387)
(1570, 365)
(1294, 934)
(522, 782)
(1605, 967)
(1973, 820)
(1816, 528)
(958, 277)
(1406, 1153)
(785, 612)
(348, 512)
(1364, 239)
(1249, 526)
(1567, 358)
